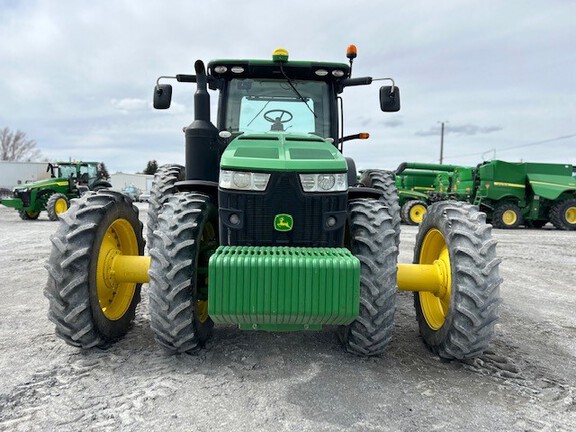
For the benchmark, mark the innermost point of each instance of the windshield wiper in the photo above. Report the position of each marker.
(296, 91)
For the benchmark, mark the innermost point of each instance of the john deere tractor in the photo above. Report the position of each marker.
(67, 180)
(267, 228)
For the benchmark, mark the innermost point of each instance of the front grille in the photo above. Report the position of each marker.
(257, 211)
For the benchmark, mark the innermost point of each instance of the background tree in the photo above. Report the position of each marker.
(151, 167)
(14, 146)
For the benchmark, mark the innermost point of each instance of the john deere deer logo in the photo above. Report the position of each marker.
(283, 222)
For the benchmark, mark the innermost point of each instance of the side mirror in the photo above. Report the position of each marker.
(389, 99)
(162, 96)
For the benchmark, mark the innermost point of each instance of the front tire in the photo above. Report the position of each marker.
(183, 242)
(28, 215)
(57, 204)
(413, 212)
(459, 323)
(86, 308)
(371, 239)
(384, 181)
(163, 187)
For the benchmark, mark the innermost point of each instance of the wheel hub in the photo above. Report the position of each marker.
(115, 296)
(60, 206)
(417, 213)
(436, 305)
(509, 217)
(570, 215)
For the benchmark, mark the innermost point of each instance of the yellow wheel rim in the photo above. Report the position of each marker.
(435, 307)
(202, 310)
(571, 215)
(60, 206)
(509, 217)
(114, 297)
(417, 213)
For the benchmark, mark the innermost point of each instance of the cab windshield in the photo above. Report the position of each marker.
(264, 105)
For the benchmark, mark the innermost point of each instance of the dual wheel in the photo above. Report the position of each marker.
(92, 303)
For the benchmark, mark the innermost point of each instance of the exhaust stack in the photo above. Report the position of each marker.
(202, 150)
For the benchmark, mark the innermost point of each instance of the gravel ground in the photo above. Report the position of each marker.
(246, 381)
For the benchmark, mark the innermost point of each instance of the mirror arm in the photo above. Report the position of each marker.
(387, 79)
(213, 83)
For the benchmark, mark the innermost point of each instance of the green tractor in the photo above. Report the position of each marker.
(267, 228)
(67, 180)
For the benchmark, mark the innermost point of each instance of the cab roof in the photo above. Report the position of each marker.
(306, 70)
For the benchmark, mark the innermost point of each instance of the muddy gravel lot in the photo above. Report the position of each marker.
(257, 381)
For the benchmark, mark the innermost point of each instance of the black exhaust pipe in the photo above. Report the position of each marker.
(202, 149)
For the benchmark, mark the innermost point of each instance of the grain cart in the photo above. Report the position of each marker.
(67, 180)
(263, 229)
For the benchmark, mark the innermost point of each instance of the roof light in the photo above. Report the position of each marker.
(280, 55)
(237, 69)
(351, 52)
(321, 72)
(220, 69)
(338, 73)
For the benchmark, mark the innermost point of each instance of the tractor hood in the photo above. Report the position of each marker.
(278, 151)
(43, 184)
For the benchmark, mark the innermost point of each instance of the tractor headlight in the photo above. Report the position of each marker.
(324, 182)
(242, 180)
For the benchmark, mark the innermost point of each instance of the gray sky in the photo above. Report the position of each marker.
(78, 76)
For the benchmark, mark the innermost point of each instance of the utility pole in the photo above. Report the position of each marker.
(441, 143)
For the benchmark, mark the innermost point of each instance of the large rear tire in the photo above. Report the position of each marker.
(57, 204)
(163, 186)
(88, 309)
(371, 239)
(563, 214)
(384, 181)
(184, 240)
(459, 323)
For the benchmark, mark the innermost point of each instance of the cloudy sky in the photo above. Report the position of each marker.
(78, 76)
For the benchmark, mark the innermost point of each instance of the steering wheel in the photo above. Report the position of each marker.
(278, 119)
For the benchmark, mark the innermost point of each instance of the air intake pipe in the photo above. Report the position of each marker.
(202, 150)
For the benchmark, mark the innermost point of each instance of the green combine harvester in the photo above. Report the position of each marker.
(532, 194)
(511, 194)
(67, 180)
(267, 228)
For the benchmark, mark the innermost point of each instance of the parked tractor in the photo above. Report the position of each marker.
(267, 228)
(67, 180)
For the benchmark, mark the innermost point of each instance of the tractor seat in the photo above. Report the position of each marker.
(277, 125)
